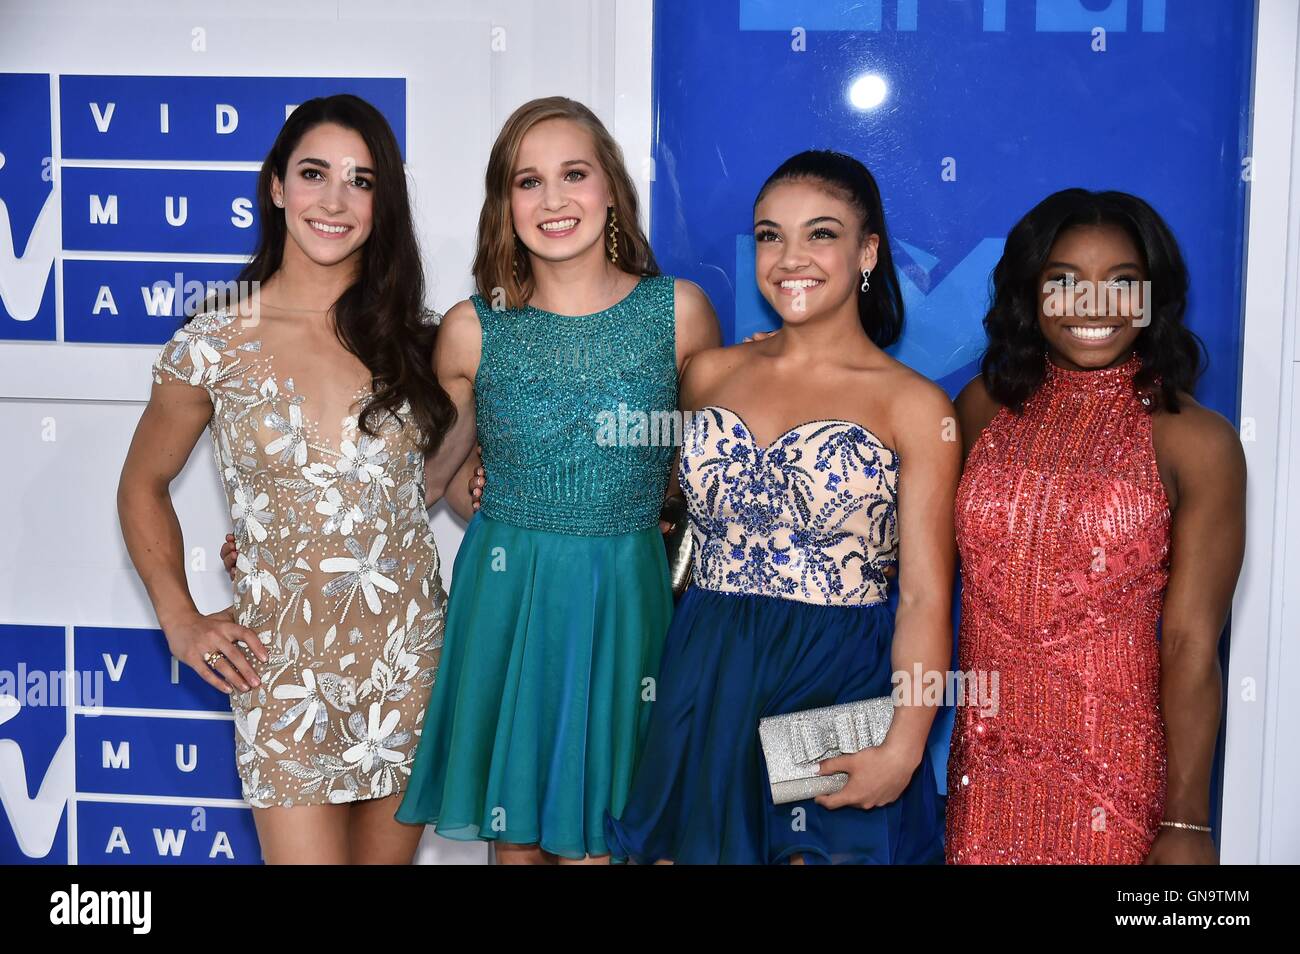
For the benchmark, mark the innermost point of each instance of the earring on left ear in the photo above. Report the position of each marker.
(612, 247)
(866, 283)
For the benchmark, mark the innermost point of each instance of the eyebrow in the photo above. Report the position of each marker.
(566, 162)
(1113, 268)
(311, 161)
(820, 218)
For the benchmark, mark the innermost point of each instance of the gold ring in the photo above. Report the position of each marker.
(212, 657)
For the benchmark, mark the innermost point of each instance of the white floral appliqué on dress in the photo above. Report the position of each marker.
(337, 573)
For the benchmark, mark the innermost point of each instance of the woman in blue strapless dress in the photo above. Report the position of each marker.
(795, 540)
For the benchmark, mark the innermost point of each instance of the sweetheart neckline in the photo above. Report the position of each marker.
(789, 430)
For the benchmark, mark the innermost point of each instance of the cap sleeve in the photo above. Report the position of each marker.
(197, 352)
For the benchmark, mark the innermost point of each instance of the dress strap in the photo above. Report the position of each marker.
(663, 289)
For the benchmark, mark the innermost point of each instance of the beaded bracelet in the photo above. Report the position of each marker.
(1185, 825)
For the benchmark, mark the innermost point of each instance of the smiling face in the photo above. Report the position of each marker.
(559, 194)
(809, 250)
(327, 194)
(1091, 296)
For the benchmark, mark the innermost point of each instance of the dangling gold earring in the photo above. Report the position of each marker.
(612, 247)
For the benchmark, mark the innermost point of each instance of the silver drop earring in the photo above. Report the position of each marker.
(866, 275)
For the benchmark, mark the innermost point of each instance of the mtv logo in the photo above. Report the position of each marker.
(36, 752)
(29, 215)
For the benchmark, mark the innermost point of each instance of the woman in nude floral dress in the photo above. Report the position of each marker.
(322, 406)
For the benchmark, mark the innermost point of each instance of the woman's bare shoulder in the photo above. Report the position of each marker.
(975, 407)
(707, 368)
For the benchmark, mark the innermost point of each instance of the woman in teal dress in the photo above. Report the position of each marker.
(560, 594)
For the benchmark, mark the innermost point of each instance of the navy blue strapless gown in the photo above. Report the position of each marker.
(787, 611)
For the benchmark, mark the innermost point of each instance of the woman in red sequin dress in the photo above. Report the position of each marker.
(1100, 522)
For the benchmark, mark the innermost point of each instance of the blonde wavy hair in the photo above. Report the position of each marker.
(501, 259)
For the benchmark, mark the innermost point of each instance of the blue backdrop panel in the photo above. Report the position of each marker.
(135, 302)
(123, 834)
(26, 183)
(159, 210)
(148, 755)
(1011, 96)
(35, 762)
(206, 118)
(135, 670)
(166, 751)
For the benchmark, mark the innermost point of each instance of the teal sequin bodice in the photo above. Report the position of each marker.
(561, 401)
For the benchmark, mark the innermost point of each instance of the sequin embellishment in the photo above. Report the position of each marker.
(1063, 530)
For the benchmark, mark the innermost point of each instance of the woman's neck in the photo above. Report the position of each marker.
(300, 284)
(827, 336)
(582, 285)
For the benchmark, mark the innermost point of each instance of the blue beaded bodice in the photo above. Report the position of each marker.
(546, 387)
(811, 517)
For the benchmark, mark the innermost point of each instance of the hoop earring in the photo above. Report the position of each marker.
(866, 275)
(612, 247)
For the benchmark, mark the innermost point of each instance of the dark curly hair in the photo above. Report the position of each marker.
(1014, 364)
(880, 309)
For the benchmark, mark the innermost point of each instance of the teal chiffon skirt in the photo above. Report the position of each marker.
(544, 687)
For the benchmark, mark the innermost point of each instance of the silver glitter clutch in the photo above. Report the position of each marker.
(795, 742)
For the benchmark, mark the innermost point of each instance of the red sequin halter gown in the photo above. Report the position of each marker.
(1063, 530)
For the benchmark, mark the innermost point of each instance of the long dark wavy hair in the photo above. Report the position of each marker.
(880, 308)
(381, 317)
(1015, 364)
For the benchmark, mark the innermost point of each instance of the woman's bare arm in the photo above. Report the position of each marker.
(1207, 544)
(697, 330)
(169, 428)
(696, 322)
(927, 488)
(976, 408)
(930, 465)
(455, 362)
